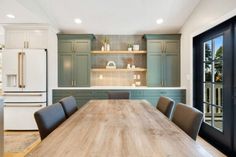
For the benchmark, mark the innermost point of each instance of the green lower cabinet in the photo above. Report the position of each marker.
(83, 96)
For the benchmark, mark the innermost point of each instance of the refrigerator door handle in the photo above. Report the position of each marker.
(19, 69)
(22, 70)
(13, 94)
(23, 105)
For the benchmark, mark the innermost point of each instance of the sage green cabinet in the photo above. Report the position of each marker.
(154, 70)
(74, 60)
(65, 69)
(163, 60)
(82, 96)
(82, 67)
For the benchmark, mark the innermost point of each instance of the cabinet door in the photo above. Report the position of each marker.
(65, 46)
(171, 46)
(171, 70)
(154, 70)
(154, 46)
(65, 70)
(82, 46)
(37, 39)
(171, 63)
(15, 39)
(82, 69)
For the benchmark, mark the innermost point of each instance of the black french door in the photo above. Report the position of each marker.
(214, 84)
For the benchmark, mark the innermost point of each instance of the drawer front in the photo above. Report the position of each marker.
(100, 94)
(20, 116)
(24, 97)
(137, 94)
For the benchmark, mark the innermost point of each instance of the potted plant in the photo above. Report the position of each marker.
(106, 45)
(130, 47)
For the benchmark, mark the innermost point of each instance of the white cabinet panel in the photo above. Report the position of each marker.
(15, 39)
(20, 116)
(37, 39)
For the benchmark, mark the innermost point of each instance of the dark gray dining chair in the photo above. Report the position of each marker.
(69, 105)
(118, 95)
(166, 106)
(188, 119)
(49, 118)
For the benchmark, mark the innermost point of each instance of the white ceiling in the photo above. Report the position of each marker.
(101, 16)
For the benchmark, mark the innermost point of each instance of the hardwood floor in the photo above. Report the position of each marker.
(212, 150)
(20, 139)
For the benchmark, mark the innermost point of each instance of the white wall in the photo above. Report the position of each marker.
(206, 15)
(2, 35)
(52, 63)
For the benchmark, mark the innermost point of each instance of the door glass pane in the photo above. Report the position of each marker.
(207, 92)
(218, 71)
(208, 50)
(218, 94)
(218, 48)
(218, 118)
(207, 114)
(208, 72)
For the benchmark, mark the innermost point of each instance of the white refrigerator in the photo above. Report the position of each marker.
(24, 76)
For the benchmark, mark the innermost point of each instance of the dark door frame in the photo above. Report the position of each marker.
(224, 141)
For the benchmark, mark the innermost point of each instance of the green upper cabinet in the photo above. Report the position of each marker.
(74, 61)
(163, 60)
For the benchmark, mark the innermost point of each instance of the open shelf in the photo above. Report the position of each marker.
(119, 52)
(123, 70)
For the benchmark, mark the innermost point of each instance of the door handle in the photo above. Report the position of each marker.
(19, 69)
(23, 105)
(14, 94)
(22, 67)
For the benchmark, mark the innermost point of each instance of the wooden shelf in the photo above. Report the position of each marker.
(119, 52)
(123, 70)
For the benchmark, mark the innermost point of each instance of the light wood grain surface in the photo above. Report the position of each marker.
(118, 128)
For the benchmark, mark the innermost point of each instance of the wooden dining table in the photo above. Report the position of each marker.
(118, 128)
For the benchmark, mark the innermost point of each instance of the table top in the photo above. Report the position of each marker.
(118, 128)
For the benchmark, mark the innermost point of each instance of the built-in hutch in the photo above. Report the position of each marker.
(147, 73)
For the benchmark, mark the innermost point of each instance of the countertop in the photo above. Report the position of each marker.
(119, 87)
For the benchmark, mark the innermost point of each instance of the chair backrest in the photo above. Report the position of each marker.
(118, 95)
(166, 106)
(69, 105)
(49, 118)
(188, 119)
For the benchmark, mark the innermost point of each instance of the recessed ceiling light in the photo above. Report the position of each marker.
(78, 21)
(10, 16)
(159, 21)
